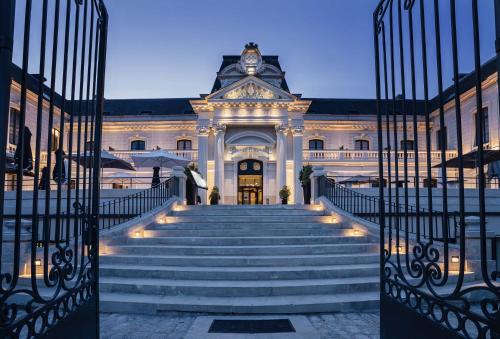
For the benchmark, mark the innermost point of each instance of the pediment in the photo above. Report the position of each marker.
(251, 88)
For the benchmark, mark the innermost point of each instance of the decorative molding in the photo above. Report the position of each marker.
(298, 130)
(251, 91)
(281, 128)
(219, 129)
(203, 130)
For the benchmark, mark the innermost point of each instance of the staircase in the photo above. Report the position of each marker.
(242, 259)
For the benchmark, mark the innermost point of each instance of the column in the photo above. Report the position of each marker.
(203, 132)
(219, 131)
(298, 135)
(280, 159)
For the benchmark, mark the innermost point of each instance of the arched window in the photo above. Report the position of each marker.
(316, 144)
(184, 145)
(138, 145)
(409, 145)
(361, 145)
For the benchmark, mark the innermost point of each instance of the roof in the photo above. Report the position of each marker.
(350, 106)
(176, 106)
(467, 82)
(33, 84)
(233, 59)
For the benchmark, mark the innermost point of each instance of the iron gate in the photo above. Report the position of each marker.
(426, 288)
(52, 70)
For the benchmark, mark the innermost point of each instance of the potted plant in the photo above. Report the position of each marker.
(214, 196)
(305, 180)
(284, 194)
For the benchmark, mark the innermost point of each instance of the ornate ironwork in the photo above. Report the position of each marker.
(419, 287)
(49, 265)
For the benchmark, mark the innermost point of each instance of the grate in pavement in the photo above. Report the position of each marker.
(252, 326)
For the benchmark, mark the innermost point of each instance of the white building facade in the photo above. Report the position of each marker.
(251, 136)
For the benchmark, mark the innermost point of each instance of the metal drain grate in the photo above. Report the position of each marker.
(252, 326)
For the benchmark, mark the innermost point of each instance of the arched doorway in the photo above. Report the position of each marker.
(250, 182)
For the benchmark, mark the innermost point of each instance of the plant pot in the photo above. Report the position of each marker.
(307, 193)
(214, 201)
(284, 201)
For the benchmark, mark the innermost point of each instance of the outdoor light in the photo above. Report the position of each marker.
(38, 262)
(400, 248)
(334, 219)
(138, 234)
(356, 232)
(455, 259)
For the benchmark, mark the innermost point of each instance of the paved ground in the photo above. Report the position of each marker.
(176, 325)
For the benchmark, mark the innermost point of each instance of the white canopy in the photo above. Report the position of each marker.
(159, 158)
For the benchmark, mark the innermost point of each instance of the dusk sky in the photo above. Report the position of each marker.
(167, 48)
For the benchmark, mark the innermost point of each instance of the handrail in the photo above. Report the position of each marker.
(122, 209)
(397, 215)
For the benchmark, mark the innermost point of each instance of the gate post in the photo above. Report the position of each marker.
(473, 246)
(318, 172)
(180, 181)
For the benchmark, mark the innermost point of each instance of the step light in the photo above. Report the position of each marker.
(139, 234)
(356, 232)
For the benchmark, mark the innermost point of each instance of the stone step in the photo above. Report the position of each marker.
(245, 219)
(270, 232)
(248, 207)
(242, 226)
(154, 304)
(237, 288)
(237, 261)
(247, 212)
(245, 250)
(248, 241)
(239, 273)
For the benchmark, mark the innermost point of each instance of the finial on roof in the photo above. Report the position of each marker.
(251, 45)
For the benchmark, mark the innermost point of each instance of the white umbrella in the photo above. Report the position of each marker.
(108, 160)
(159, 158)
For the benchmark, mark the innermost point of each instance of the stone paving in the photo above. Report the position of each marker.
(176, 325)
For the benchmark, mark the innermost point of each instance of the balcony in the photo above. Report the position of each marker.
(369, 156)
(127, 155)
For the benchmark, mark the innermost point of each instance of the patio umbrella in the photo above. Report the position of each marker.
(108, 160)
(471, 159)
(159, 158)
(156, 176)
(44, 179)
(59, 167)
(27, 156)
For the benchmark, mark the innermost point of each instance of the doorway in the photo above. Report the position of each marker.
(250, 182)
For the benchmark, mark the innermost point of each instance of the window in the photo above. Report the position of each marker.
(138, 145)
(14, 123)
(184, 145)
(408, 143)
(316, 144)
(361, 145)
(486, 127)
(438, 139)
(56, 135)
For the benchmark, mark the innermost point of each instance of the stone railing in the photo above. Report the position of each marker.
(367, 156)
(127, 155)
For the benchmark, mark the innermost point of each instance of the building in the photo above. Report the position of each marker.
(251, 135)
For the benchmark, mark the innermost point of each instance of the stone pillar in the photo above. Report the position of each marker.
(280, 159)
(298, 136)
(318, 172)
(180, 177)
(203, 132)
(473, 247)
(220, 131)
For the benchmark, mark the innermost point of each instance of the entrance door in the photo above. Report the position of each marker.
(250, 183)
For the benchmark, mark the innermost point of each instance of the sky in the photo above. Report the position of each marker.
(173, 48)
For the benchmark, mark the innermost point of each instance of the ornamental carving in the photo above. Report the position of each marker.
(251, 91)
